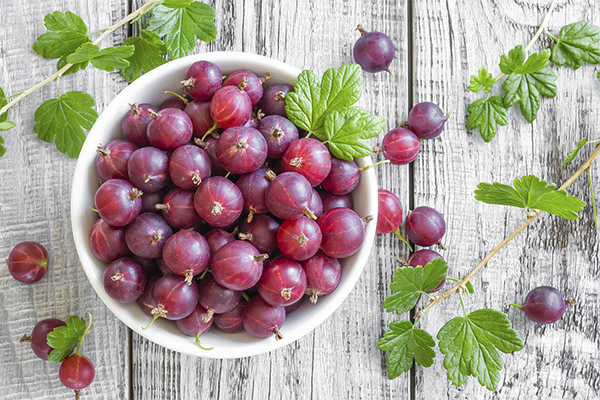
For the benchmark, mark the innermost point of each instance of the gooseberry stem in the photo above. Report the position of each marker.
(185, 101)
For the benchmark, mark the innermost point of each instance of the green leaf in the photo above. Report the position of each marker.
(575, 151)
(410, 282)
(530, 192)
(346, 130)
(67, 33)
(147, 55)
(515, 62)
(2, 148)
(3, 102)
(469, 287)
(64, 119)
(405, 344)
(471, 346)
(598, 75)
(64, 339)
(74, 68)
(107, 59)
(577, 42)
(180, 22)
(6, 125)
(482, 81)
(487, 114)
(310, 102)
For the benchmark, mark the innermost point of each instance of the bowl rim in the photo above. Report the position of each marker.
(120, 311)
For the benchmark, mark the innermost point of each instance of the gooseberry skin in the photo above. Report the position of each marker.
(237, 265)
(107, 242)
(330, 201)
(216, 298)
(241, 150)
(288, 195)
(425, 226)
(389, 212)
(253, 187)
(282, 283)
(174, 298)
(343, 232)
(118, 202)
(400, 146)
(124, 280)
(426, 120)
(261, 232)
(28, 262)
(147, 234)
(544, 305)
(172, 102)
(230, 107)
(260, 319)
(218, 238)
(299, 239)
(148, 169)
(189, 165)
(279, 132)
(254, 87)
(210, 146)
(111, 159)
(202, 80)
(343, 177)
(186, 253)
(178, 209)
(199, 113)
(218, 201)
(145, 301)
(323, 275)
(308, 157)
(195, 324)
(231, 321)
(39, 336)
(273, 100)
(295, 306)
(422, 258)
(169, 129)
(136, 122)
(316, 205)
(373, 51)
(76, 372)
(149, 265)
(150, 200)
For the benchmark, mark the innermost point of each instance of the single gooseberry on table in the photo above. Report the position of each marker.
(38, 337)
(422, 258)
(425, 226)
(373, 51)
(426, 120)
(28, 262)
(400, 146)
(544, 305)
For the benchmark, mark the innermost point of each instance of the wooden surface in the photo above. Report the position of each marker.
(438, 45)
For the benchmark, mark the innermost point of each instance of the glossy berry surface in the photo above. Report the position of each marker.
(136, 122)
(230, 107)
(169, 129)
(261, 232)
(174, 298)
(216, 298)
(111, 159)
(118, 202)
(218, 238)
(330, 201)
(400, 146)
(389, 212)
(425, 226)
(343, 232)
(308, 157)
(172, 102)
(237, 265)
(299, 239)
(544, 305)
(151, 199)
(316, 205)
(39, 336)
(323, 275)
(231, 321)
(186, 253)
(178, 209)
(124, 280)
(189, 165)
(202, 80)
(288, 196)
(279, 132)
(148, 169)
(343, 177)
(76, 372)
(253, 187)
(422, 258)
(241, 150)
(295, 306)
(196, 323)
(426, 120)
(260, 319)
(218, 201)
(147, 234)
(28, 262)
(273, 100)
(199, 113)
(282, 283)
(146, 301)
(210, 145)
(107, 242)
(373, 51)
(253, 87)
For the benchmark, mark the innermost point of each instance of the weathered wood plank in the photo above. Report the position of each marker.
(34, 205)
(339, 359)
(451, 41)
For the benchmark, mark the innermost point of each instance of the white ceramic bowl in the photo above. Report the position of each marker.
(149, 89)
